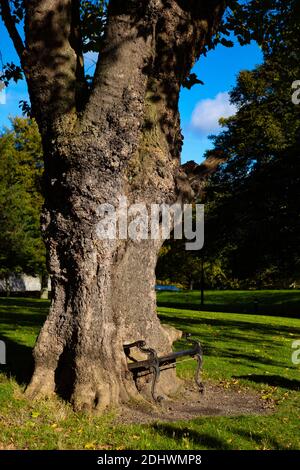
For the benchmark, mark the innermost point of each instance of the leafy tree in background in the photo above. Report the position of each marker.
(21, 167)
(252, 229)
(253, 199)
(176, 265)
(184, 268)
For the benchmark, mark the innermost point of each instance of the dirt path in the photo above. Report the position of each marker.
(218, 400)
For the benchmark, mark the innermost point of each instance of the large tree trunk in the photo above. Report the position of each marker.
(103, 290)
(108, 303)
(126, 142)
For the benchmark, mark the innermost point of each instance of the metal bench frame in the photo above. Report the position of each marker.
(155, 364)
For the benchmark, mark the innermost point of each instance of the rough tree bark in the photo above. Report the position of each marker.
(123, 139)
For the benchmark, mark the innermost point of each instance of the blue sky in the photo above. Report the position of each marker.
(200, 107)
(203, 105)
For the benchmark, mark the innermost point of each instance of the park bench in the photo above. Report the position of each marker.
(155, 364)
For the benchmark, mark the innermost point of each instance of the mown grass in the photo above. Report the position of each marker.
(240, 350)
(261, 302)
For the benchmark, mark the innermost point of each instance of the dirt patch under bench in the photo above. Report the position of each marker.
(217, 400)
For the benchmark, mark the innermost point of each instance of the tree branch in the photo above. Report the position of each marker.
(10, 24)
(76, 43)
(192, 177)
(51, 63)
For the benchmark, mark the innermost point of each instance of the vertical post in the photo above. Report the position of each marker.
(2, 353)
(44, 285)
(202, 281)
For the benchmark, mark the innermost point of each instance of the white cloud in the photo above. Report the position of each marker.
(206, 115)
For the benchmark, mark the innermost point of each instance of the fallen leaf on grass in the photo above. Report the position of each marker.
(90, 445)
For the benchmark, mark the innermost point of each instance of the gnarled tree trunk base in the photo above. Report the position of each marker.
(80, 350)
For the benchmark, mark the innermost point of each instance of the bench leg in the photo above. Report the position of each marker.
(199, 383)
(154, 368)
(156, 373)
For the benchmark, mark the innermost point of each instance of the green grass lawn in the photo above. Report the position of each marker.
(241, 350)
(263, 302)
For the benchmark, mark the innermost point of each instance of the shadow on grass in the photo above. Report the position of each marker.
(16, 321)
(19, 361)
(287, 310)
(250, 334)
(25, 303)
(259, 439)
(272, 380)
(248, 358)
(183, 322)
(15, 314)
(180, 434)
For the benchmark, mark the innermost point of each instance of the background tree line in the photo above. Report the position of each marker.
(21, 166)
(252, 228)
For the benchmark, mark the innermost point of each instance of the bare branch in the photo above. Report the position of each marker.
(192, 177)
(10, 24)
(205, 169)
